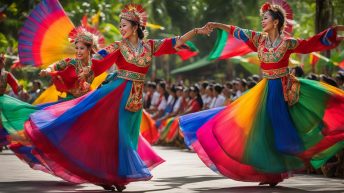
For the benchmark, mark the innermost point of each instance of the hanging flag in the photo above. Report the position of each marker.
(190, 50)
(155, 26)
(313, 58)
(227, 46)
(95, 19)
(341, 65)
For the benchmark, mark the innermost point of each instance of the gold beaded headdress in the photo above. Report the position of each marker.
(81, 34)
(136, 13)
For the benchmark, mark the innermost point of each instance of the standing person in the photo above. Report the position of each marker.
(281, 125)
(94, 138)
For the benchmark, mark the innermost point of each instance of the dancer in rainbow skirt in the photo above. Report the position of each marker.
(281, 125)
(94, 138)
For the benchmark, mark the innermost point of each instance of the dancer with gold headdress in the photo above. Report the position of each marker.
(95, 138)
(281, 125)
(43, 40)
(74, 75)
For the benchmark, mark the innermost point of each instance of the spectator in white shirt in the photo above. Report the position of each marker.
(219, 99)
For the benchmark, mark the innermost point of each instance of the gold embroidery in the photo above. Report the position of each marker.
(291, 89)
(275, 73)
(272, 57)
(129, 75)
(134, 102)
(142, 60)
(157, 44)
(292, 44)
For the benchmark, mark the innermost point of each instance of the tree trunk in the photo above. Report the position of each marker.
(323, 20)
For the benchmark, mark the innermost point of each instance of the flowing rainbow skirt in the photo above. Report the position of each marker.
(13, 114)
(148, 129)
(93, 138)
(260, 138)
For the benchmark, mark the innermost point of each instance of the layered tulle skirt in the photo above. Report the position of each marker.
(93, 138)
(259, 137)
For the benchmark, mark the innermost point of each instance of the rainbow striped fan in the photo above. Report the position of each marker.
(43, 39)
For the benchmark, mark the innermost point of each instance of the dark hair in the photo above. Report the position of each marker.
(251, 84)
(89, 46)
(152, 85)
(299, 71)
(139, 30)
(162, 84)
(330, 81)
(280, 16)
(204, 84)
(313, 76)
(218, 88)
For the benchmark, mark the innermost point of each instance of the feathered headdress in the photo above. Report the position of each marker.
(134, 12)
(44, 37)
(81, 34)
(271, 5)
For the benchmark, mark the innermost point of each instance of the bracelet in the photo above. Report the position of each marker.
(195, 30)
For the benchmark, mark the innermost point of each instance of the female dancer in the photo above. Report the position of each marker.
(74, 75)
(94, 138)
(279, 126)
(5, 100)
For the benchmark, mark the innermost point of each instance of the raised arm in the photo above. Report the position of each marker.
(58, 66)
(250, 37)
(13, 83)
(190, 34)
(325, 40)
(105, 58)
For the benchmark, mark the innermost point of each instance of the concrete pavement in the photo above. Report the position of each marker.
(182, 172)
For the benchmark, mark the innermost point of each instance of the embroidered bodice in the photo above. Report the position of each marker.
(124, 57)
(130, 65)
(65, 76)
(274, 61)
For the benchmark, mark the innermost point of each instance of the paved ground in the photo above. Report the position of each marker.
(182, 172)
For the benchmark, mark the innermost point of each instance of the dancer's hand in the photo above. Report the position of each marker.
(45, 72)
(82, 75)
(204, 30)
(211, 25)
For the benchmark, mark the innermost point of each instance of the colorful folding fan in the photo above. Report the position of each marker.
(43, 39)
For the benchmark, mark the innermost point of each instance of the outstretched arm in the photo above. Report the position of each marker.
(190, 34)
(325, 40)
(250, 37)
(60, 65)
